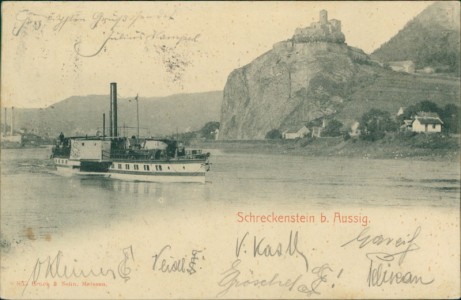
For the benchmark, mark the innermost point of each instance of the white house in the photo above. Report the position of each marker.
(317, 131)
(355, 131)
(295, 133)
(406, 66)
(12, 138)
(427, 122)
(428, 70)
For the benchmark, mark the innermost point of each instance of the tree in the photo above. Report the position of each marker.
(315, 122)
(274, 134)
(187, 136)
(425, 106)
(333, 128)
(209, 129)
(450, 118)
(375, 123)
(428, 106)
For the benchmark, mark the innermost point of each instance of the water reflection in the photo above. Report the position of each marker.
(142, 188)
(32, 196)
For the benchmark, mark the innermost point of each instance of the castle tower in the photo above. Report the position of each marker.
(323, 17)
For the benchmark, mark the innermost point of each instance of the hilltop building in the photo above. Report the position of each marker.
(322, 31)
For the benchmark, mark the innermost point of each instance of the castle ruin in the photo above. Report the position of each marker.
(322, 31)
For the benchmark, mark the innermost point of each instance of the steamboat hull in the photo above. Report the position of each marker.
(69, 167)
(66, 166)
(160, 171)
(133, 170)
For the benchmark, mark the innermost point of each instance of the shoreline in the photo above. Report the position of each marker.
(421, 147)
(393, 146)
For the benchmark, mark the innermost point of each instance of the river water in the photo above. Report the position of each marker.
(34, 196)
(91, 220)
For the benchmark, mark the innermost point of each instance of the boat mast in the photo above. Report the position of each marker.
(103, 126)
(113, 109)
(137, 112)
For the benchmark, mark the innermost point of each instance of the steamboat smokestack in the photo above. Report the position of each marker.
(113, 108)
(110, 121)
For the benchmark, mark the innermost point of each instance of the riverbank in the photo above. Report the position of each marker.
(393, 146)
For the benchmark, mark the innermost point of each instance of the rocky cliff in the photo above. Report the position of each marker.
(315, 74)
(291, 84)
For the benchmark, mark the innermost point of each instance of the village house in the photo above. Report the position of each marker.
(317, 131)
(355, 131)
(216, 134)
(406, 66)
(426, 70)
(317, 126)
(295, 133)
(427, 122)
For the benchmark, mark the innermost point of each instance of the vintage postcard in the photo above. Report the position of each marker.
(230, 150)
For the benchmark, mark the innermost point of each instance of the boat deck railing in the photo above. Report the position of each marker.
(150, 156)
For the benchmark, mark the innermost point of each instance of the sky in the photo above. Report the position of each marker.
(55, 50)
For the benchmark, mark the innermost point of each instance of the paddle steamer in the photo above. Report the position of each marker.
(135, 158)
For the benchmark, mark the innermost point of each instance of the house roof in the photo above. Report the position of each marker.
(407, 122)
(427, 114)
(401, 63)
(294, 129)
(428, 118)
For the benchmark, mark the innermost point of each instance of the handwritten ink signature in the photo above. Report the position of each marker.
(115, 27)
(382, 268)
(53, 267)
(27, 20)
(231, 279)
(402, 245)
(380, 272)
(104, 29)
(154, 40)
(308, 282)
(262, 248)
(124, 270)
(176, 265)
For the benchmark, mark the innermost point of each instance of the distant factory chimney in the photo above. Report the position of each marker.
(12, 120)
(113, 109)
(5, 124)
